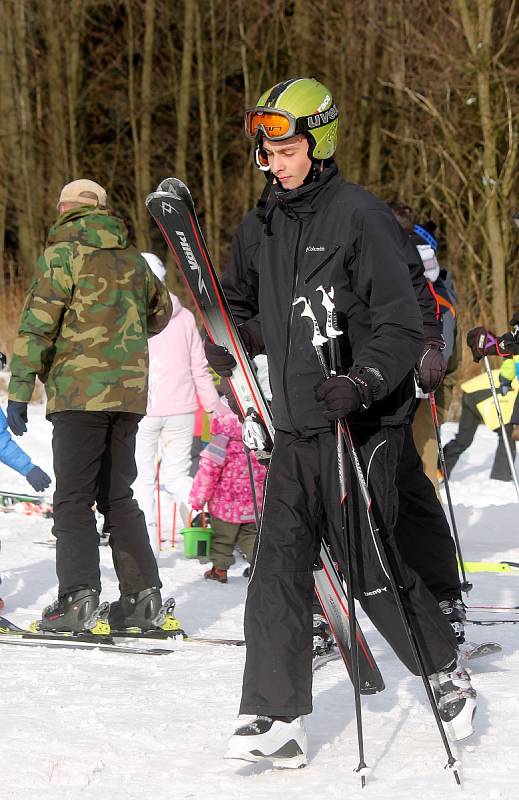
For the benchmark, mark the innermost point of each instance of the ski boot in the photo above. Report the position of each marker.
(323, 640)
(456, 699)
(75, 612)
(281, 740)
(215, 574)
(454, 610)
(143, 612)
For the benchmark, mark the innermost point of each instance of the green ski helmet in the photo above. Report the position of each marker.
(297, 106)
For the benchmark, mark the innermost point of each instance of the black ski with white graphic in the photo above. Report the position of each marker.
(11, 634)
(172, 208)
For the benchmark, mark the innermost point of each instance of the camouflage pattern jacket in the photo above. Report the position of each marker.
(87, 317)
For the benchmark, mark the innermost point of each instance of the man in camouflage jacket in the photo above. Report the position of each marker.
(83, 331)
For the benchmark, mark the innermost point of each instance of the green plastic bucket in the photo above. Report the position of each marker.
(197, 542)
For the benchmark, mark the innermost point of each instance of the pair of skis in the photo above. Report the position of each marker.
(25, 503)
(172, 208)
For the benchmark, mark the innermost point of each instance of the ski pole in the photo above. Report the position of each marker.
(159, 520)
(451, 762)
(252, 486)
(318, 340)
(174, 526)
(502, 424)
(466, 586)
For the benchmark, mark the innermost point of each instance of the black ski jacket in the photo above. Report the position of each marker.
(328, 233)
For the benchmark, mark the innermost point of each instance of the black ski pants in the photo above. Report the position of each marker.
(422, 532)
(301, 500)
(469, 420)
(94, 461)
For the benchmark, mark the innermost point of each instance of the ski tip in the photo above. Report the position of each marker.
(172, 185)
(173, 188)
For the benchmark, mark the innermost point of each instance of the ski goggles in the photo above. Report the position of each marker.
(273, 123)
(277, 124)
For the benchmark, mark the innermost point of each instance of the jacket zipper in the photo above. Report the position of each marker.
(321, 265)
(289, 327)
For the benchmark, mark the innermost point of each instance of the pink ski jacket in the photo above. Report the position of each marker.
(178, 369)
(222, 480)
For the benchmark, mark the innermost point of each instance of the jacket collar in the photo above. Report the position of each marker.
(300, 202)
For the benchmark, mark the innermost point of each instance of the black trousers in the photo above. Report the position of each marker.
(422, 533)
(469, 420)
(94, 461)
(301, 500)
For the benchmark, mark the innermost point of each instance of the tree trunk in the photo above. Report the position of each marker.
(56, 129)
(184, 97)
(477, 25)
(204, 133)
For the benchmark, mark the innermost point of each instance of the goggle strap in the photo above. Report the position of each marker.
(261, 205)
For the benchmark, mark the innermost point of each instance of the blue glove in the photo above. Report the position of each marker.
(504, 385)
(38, 479)
(17, 417)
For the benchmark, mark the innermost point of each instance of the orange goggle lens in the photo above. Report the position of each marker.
(273, 124)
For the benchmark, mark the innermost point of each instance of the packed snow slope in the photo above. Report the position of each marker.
(111, 726)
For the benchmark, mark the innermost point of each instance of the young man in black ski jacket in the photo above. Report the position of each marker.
(322, 231)
(422, 531)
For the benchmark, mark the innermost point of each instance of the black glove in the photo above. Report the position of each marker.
(219, 359)
(3, 360)
(430, 369)
(515, 319)
(38, 479)
(222, 361)
(345, 394)
(17, 417)
(483, 343)
(504, 385)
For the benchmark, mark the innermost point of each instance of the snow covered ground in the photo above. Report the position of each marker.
(102, 725)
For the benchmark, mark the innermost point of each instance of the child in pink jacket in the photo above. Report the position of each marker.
(222, 481)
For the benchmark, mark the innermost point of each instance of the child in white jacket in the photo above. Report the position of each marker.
(178, 373)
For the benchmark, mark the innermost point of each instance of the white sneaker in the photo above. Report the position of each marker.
(283, 743)
(456, 698)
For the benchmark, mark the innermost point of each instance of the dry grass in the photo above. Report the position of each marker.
(11, 301)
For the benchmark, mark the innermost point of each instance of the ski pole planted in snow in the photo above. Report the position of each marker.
(318, 340)
(408, 628)
(501, 423)
(466, 586)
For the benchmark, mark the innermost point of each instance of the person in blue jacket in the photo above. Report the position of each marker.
(13, 456)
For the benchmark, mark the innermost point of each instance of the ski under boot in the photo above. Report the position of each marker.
(76, 612)
(215, 574)
(456, 699)
(454, 610)
(143, 611)
(281, 740)
(323, 640)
